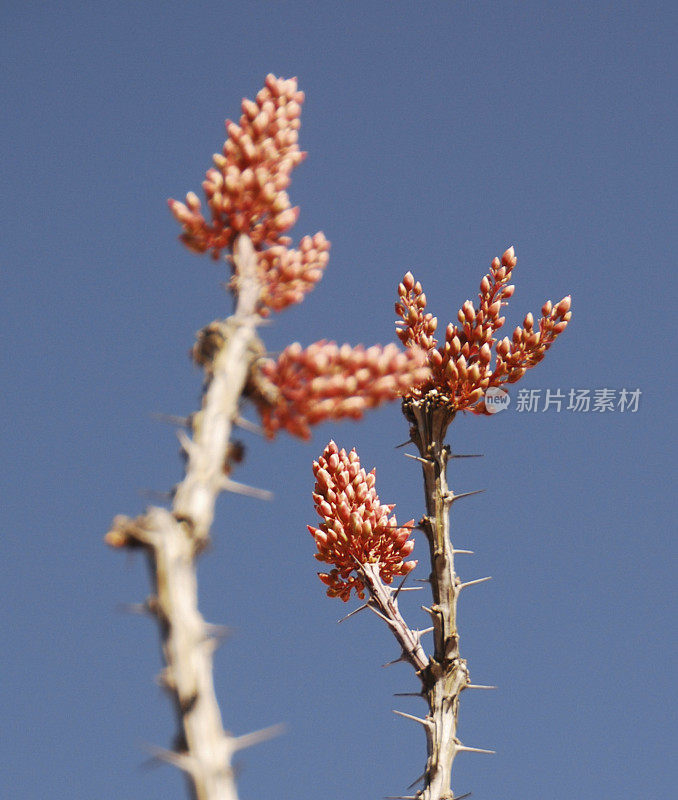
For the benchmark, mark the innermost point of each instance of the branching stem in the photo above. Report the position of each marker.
(383, 599)
(174, 539)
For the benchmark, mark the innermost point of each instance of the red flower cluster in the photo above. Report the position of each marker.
(324, 381)
(356, 528)
(287, 276)
(461, 369)
(246, 193)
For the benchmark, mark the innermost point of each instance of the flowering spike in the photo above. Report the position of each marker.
(305, 387)
(245, 192)
(461, 368)
(385, 544)
(245, 188)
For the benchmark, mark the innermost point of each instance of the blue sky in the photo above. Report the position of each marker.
(438, 134)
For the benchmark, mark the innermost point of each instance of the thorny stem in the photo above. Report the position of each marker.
(196, 495)
(173, 540)
(383, 599)
(446, 675)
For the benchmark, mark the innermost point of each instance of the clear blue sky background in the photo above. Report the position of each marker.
(438, 134)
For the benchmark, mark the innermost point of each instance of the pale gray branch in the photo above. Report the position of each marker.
(173, 539)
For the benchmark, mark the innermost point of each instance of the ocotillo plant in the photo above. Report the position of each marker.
(364, 543)
(247, 219)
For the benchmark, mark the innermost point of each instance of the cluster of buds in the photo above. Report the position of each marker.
(304, 387)
(356, 528)
(461, 368)
(286, 276)
(246, 193)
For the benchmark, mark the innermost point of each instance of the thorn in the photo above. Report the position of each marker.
(408, 694)
(426, 630)
(180, 760)
(218, 632)
(421, 721)
(400, 588)
(465, 455)
(256, 737)
(246, 425)
(460, 748)
(378, 613)
(463, 552)
(400, 658)
(172, 419)
(155, 494)
(427, 610)
(453, 497)
(404, 444)
(479, 686)
(417, 780)
(423, 580)
(418, 458)
(243, 488)
(355, 611)
(186, 442)
(412, 589)
(462, 796)
(133, 608)
(473, 583)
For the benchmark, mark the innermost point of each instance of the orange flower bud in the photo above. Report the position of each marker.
(564, 306)
(509, 258)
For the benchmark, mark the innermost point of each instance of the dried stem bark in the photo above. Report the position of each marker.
(174, 539)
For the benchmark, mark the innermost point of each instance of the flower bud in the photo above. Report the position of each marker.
(509, 258)
(435, 358)
(564, 306)
(474, 373)
(469, 311)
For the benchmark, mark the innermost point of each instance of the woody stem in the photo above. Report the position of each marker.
(173, 540)
(446, 674)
